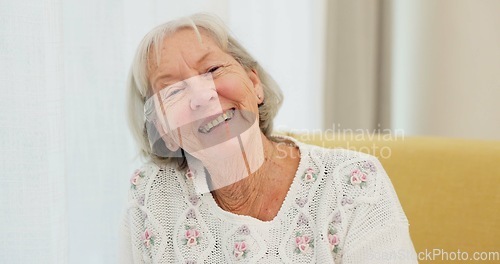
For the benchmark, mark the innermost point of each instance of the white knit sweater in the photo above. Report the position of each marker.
(340, 208)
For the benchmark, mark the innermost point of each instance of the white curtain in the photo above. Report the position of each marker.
(65, 153)
(33, 214)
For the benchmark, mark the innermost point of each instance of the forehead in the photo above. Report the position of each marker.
(184, 45)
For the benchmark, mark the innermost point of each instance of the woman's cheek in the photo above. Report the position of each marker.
(179, 116)
(233, 88)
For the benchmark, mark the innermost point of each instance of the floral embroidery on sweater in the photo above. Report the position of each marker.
(368, 165)
(309, 175)
(136, 177)
(333, 237)
(191, 214)
(243, 230)
(303, 243)
(302, 220)
(346, 200)
(337, 218)
(333, 240)
(147, 238)
(190, 174)
(241, 242)
(240, 249)
(359, 176)
(194, 199)
(301, 202)
(192, 236)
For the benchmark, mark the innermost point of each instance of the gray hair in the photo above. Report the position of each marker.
(139, 87)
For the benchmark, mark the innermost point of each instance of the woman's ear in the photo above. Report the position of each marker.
(257, 85)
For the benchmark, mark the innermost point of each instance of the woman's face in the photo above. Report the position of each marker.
(204, 96)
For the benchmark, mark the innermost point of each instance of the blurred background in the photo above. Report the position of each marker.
(424, 67)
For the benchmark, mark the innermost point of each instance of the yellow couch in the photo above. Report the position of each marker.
(449, 190)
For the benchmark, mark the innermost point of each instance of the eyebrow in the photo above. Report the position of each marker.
(203, 57)
(168, 75)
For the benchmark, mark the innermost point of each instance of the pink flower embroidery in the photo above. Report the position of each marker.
(303, 243)
(192, 236)
(192, 241)
(363, 177)
(304, 248)
(309, 175)
(238, 254)
(134, 180)
(147, 238)
(189, 174)
(302, 240)
(358, 177)
(192, 233)
(333, 240)
(240, 249)
(355, 180)
(240, 246)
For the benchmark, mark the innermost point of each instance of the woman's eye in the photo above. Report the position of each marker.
(173, 91)
(213, 69)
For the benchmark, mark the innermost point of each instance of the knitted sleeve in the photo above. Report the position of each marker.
(135, 236)
(376, 228)
(125, 243)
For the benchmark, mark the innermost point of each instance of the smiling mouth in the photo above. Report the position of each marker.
(226, 116)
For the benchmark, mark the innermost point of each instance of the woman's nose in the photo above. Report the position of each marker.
(202, 96)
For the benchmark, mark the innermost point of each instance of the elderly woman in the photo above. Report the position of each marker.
(219, 188)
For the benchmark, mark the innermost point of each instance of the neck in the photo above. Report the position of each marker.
(262, 193)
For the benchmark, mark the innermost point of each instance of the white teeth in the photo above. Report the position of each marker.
(217, 121)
